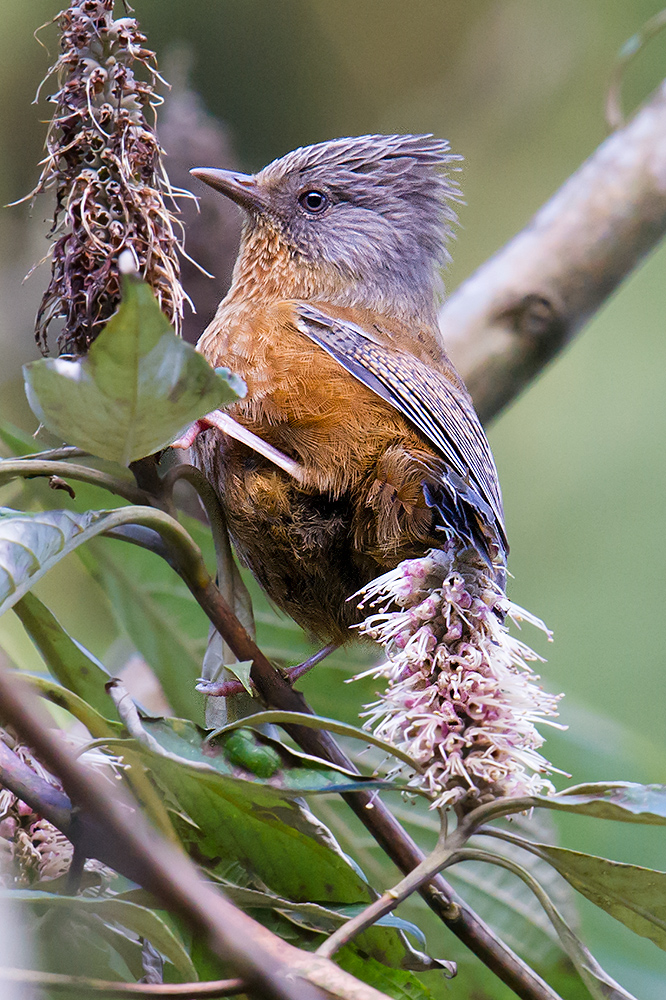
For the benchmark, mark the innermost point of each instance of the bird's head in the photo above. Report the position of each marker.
(368, 216)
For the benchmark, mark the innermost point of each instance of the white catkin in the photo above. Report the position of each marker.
(461, 698)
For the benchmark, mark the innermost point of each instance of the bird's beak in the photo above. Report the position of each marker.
(241, 188)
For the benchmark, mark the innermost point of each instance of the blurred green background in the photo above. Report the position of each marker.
(517, 86)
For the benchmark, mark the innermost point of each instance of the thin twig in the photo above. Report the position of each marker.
(393, 897)
(29, 468)
(57, 454)
(518, 310)
(39, 794)
(55, 982)
(174, 545)
(155, 530)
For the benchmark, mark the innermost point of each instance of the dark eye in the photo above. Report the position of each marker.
(314, 202)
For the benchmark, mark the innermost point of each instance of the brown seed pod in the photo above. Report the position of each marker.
(105, 164)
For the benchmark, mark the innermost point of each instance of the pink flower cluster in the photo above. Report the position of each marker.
(461, 698)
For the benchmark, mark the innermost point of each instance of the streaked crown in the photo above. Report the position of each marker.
(373, 211)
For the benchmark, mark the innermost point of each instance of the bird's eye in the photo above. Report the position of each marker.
(314, 202)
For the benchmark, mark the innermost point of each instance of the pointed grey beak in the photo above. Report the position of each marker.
(241, 188)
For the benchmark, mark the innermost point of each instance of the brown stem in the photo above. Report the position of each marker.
(518, 310)
(173, 544)
(41, 796)
(372, 812)
(73, 985)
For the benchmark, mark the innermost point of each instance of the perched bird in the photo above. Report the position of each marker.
(331, 321)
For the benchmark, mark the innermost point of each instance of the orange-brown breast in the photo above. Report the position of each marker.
(361, 507)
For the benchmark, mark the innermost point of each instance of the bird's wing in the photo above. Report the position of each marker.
(439, 410)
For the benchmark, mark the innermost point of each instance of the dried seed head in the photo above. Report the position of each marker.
(104, 163)
(32, 850)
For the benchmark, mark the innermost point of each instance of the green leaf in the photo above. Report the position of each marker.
(599, 983)
(397, 983)
(310, 916)
(620, 800)
(142, 921)
(16, 440)
(152, 604)
(96, 724)
(318, 722)
(633, 895)
(68, 661)
(508, 905)
(241, 671)
(258, 826)
(247, 755)
(30, 544)
(137, 388)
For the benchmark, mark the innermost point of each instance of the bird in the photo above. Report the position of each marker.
(331, 321)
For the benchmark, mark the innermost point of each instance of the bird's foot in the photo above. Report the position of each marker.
(225, 422)
(227, 688)
(220, 689)
(293, 673)
(189, 436)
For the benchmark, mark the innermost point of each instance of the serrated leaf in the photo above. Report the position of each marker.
(625, 801)
(142, 921)
(634, 895)
(137, 388)
(68, 661)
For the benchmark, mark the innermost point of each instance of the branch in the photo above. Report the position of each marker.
(175, 546)
(29, 468)
(39, 794)
(372, 812)
(270, 967)
(75, 985)
(506, 322)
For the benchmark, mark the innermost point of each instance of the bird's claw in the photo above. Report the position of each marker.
(189, 436)
(293, 673)
(219, 689)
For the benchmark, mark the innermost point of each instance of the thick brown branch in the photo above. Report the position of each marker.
(268, 965)
(526, 303)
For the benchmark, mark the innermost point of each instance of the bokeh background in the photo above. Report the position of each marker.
(518, 88)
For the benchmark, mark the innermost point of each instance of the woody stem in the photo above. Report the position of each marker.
(372, 812)
(525, 304)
